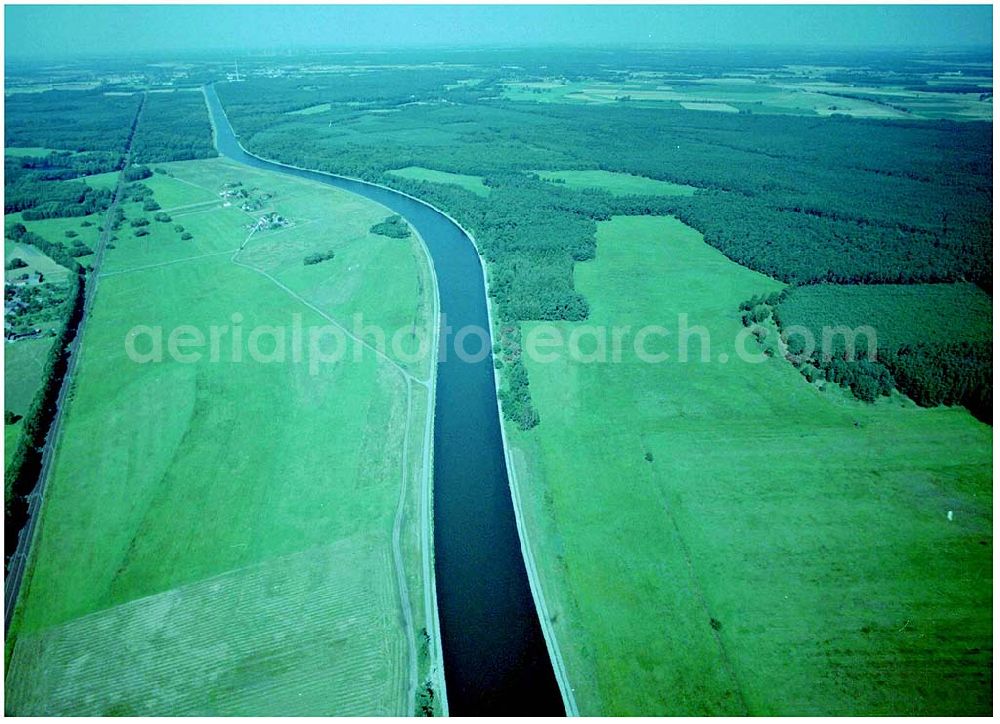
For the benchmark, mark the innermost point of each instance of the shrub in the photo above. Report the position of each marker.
(318, 257)
(393, 227)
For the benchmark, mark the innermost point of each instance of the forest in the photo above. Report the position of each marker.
(802, 199)
(69, 120)
(174, 127)
(933, 342)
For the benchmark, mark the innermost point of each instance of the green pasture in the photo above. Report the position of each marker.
(618, 184)
(54, 230)
(24, 363)
(810, 96)
(29, 151)
(469, 183)
(311, 110)
(721, 537)
(195, 504)
(102, 180)
(34, 258)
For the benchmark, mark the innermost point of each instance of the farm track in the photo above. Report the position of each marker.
(144, 267)
(19, 560)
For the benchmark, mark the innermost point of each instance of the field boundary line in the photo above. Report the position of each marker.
(164, 263)
(382, 355)
(190, 206)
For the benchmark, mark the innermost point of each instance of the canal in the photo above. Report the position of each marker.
(495, 658)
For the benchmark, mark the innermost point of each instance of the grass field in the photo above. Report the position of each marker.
(102, 180)
(35, 259)
(724, 538)
(28, 151)
(469, 183)
(311, 110)
(618, 184)
(708, 106)
(54, 230)
(24, 362)
(217, 536)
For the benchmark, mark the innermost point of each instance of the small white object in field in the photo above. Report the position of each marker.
(950, 515)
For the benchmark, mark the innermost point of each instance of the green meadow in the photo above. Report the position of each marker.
(36, 260)
(23, 368)
(617, 184)
(721, 537)
(24, 363)
(311, 110)
(217, 533)
(469, 183)
(28, 151)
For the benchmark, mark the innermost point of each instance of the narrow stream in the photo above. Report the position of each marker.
(495, 657)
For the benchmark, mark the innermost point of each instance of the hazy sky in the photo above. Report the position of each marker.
(61, 29)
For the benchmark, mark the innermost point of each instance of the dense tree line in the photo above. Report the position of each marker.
(21, 474)
(56, 252)
(137, 172)
(318, 257)
(50, 199)
(946, 374)
(62, 165)
(174, 127)
(934, 345)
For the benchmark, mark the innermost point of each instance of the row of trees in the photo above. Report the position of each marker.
(40, 199)
(57, 252)
(948, 366)
(21, 472)
(63, 165)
